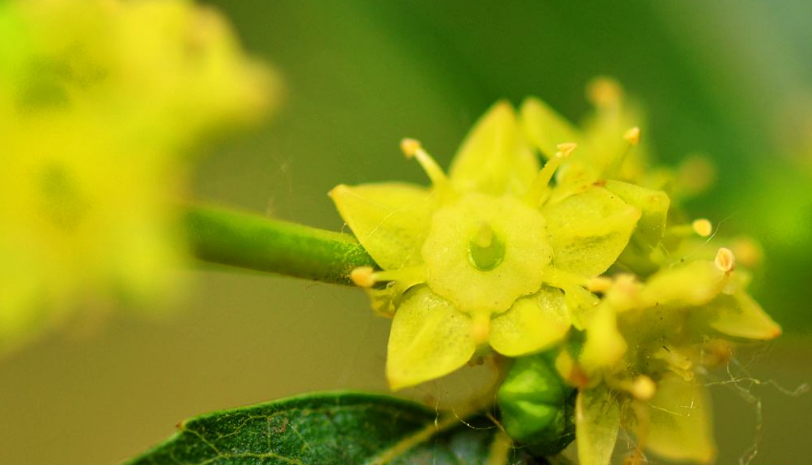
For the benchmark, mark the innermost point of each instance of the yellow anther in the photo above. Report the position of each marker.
(747, 251)
(624, 292)
(702, 227)
(632, 135)
(410, 147)
(643, 388)
(725, 260)
(366, 276)
(413, 149)
(599, 284)
(604, 92)
(565, 149)
(363, 276)
(695, 175)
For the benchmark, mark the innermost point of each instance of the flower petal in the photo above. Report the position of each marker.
(429, 339)
(390, 220)
(650, 229)
(531, 324)
(588, 231)
(545, 127)
(681, 427)
(495, 158)
(740, 316)
(696, 283)
(597, 419)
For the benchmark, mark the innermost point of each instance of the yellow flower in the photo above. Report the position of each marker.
(492, 254)
(645, 347)
(661, 319)
(99, 100)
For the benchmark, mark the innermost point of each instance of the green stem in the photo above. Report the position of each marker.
(227, 237)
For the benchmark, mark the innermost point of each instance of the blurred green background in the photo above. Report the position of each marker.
(729, 78)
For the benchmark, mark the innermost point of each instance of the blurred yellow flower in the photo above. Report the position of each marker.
(99, 101)
(491, 255)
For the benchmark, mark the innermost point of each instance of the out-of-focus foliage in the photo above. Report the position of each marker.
(99, 102)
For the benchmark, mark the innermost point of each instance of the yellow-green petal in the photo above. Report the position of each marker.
(495, 157)
(545, 127)
(390, 220)
(429, 339)
(681, 427)
(653, 205)
(696, 283)
(597, 419)
(740, 316)
(588, 231)
(532, 324)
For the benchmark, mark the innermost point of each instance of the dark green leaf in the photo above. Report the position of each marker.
(326, 429)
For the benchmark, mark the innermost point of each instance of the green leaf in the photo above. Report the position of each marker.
(326, 429)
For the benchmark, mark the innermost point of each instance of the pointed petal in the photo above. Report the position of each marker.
(741, 316)
(495, 158)
(390, 220)
(545, 128)
(588, 231)
(681, 428)
(429, 339)
(597, 419)
(531, 324)
(654, 206)
(696, 283)
(604, 344)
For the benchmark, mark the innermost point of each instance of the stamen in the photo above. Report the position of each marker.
(413, 149)
(366, 276)
(599, 284)
(538, 190)
(633, 135)
(604, 92)
(624, 292)
(747, 251)
(643, 388)
(676, 362)
(363, 276)
(702, 227)
(725, 260)
(567, 148)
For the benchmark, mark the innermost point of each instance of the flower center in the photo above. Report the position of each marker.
(486, 250)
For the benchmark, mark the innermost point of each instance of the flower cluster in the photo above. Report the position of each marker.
(585, 255)
(99, 102)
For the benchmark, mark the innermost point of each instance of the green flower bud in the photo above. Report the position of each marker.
(537, 405)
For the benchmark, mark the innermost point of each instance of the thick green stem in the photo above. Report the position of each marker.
(226, 237)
